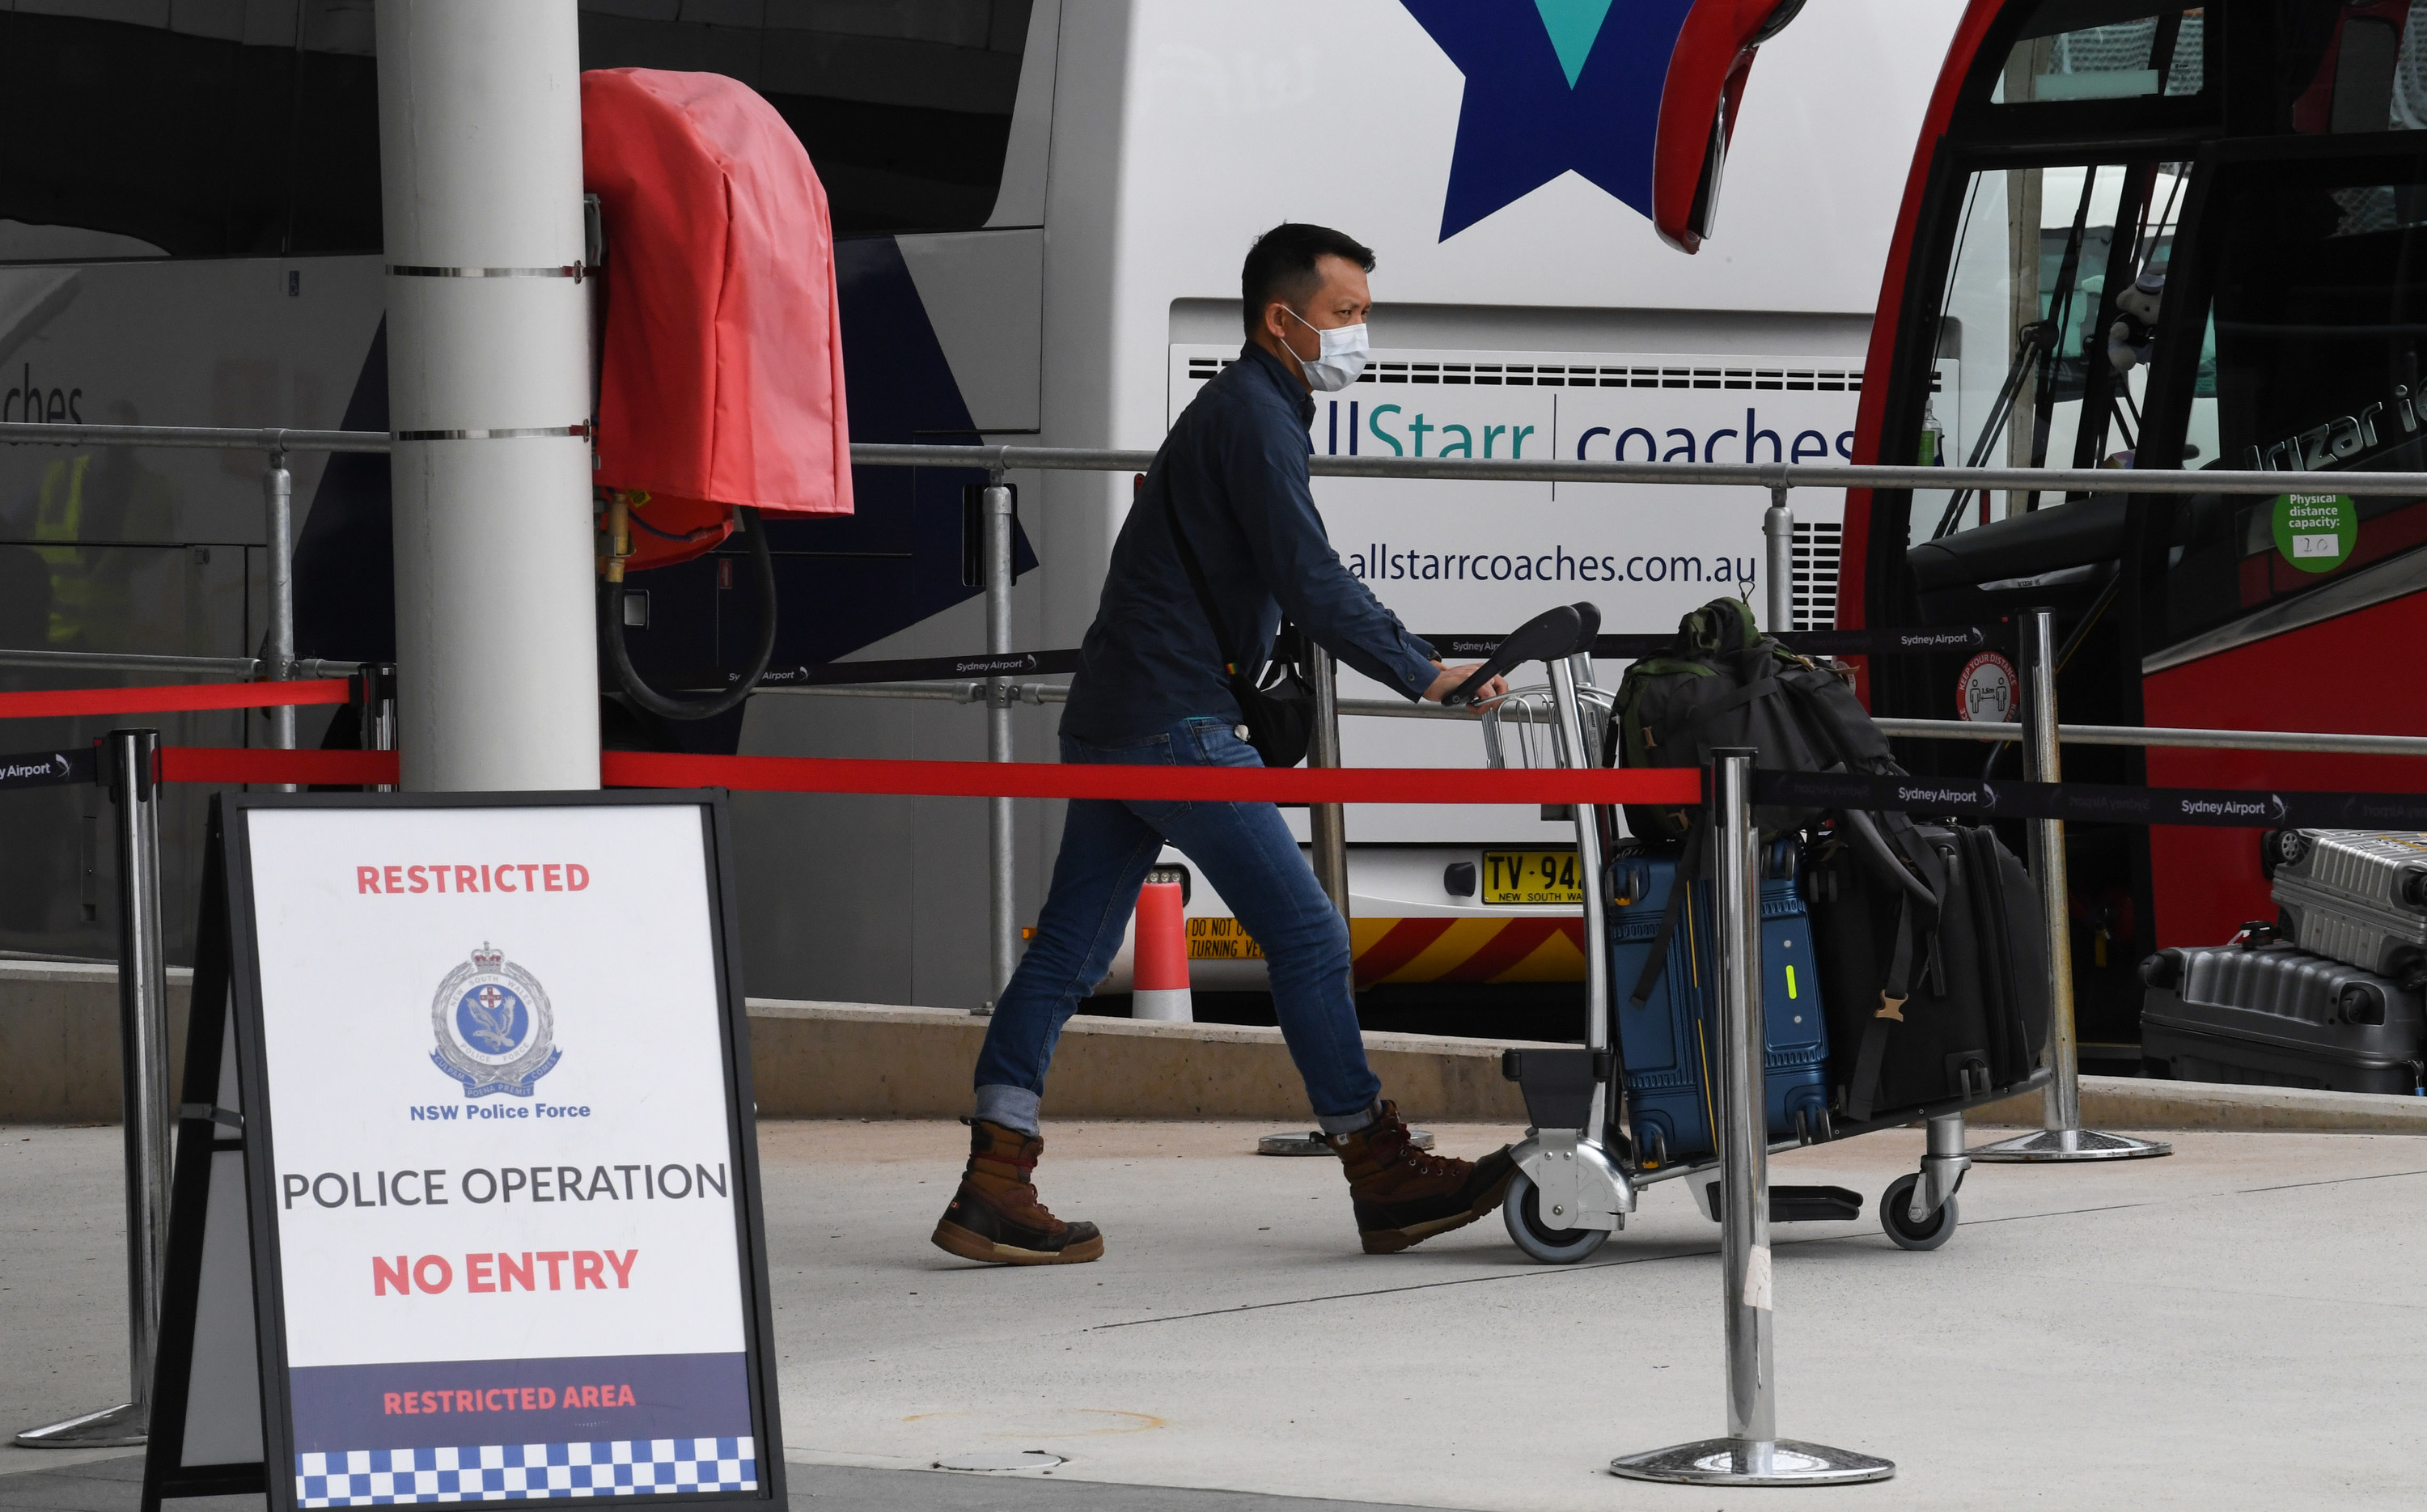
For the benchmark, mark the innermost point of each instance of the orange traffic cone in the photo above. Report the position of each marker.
(1160, 988)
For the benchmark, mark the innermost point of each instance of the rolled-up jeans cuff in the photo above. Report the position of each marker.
(1012, 1107)
(1331, 1123)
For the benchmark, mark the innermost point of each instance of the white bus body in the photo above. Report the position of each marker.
(1148, 143)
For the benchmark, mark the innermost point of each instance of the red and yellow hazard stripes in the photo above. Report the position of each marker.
(1530, 949)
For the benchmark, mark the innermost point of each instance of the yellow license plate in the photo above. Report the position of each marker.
(1221, 939)
(1530, 877)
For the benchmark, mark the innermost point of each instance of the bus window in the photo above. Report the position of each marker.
(2350, 66)
(234, 130)
(133, 140)
(2319, 330)
(904, 108)
(2045, 307)
(2103, 49)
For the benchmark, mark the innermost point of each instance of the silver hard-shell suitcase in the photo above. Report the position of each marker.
(2265, 1012)
(2359, 896)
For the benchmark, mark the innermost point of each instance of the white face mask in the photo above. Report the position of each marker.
(1342, 355)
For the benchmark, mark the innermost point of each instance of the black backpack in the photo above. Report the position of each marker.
(1724, 683)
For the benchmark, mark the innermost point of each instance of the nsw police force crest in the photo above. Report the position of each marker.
(494, 1029)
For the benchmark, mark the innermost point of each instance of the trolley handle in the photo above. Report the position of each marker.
(1549, 635)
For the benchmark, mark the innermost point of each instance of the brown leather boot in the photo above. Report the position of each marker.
(996, 1215)
(1403, 1196)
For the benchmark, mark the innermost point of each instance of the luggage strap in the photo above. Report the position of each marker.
(1863, 1091)
(1689, 867)
(1733, 702)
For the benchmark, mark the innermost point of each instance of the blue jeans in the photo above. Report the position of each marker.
(1246, 853)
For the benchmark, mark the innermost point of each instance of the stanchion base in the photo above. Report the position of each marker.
(127, 1423)
(1312, 1143)
(2070, 1145)
(1752, 1462)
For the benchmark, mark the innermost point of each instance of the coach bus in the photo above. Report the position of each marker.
(2164, 236)
(1041, 206)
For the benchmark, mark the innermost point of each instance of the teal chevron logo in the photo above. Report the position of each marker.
(1573, 25)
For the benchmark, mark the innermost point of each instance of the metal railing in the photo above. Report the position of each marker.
(276, 661)
(244, 669)
(999, 460)
(1778, 478)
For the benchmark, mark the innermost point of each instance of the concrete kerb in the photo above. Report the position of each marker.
(58, 1040)
(59, 1065)
(827, 1059)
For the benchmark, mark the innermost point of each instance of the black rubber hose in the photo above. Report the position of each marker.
(619, 656)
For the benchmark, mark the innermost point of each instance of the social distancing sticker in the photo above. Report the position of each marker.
(2316, 532)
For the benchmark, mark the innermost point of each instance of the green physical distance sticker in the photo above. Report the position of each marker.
(2316, 532)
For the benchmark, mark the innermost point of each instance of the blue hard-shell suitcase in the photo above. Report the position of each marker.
(1668, 1044)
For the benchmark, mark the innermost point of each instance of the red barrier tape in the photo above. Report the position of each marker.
(235, 764)
(1030, 779)
(988, 779)
(175, 699)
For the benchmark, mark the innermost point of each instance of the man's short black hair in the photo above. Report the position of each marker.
(1280, 266)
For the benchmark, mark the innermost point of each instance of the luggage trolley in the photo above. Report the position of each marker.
(1578, 1169)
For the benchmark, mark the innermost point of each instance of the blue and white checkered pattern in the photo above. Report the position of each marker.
(498, 1472)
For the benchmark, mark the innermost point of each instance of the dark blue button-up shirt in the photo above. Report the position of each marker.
(1235, 469)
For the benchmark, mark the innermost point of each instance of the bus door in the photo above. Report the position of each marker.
(2303, 290)
(2056, 268)
(2050, 194)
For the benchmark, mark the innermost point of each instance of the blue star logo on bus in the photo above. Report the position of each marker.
(1552, 87)
(494, 1028)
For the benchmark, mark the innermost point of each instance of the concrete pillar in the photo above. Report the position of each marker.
(488, 386)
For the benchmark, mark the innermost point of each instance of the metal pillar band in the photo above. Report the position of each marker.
(1778, 539)
(1328, 823)
(2062, 1138)
(131, 759)
(1003, 932)
(1751, 1453)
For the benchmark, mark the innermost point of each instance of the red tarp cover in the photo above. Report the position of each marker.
(723, 374)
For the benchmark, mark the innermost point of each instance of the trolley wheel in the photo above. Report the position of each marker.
(1522, 1212)
(1929, 1233)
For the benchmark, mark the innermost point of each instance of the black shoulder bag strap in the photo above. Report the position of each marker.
(1204, 594)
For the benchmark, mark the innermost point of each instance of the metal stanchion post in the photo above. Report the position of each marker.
(378, 711)
(278, 641)
(2062, 1138)
(1778, 538)
(1576, 752)
(1328, 823)
(1002, 933)
(1751, 1454)
(130, 760)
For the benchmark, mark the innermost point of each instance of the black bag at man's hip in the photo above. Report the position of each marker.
(1275, 702)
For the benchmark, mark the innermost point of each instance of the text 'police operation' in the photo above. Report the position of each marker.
(674, 1181)
(537, 876)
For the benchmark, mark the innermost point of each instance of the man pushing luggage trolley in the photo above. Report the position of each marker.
(1222, 542)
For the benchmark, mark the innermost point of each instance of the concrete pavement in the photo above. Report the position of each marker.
(2242, 1324)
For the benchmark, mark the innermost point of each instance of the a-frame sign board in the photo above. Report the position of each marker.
(465, 1204)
